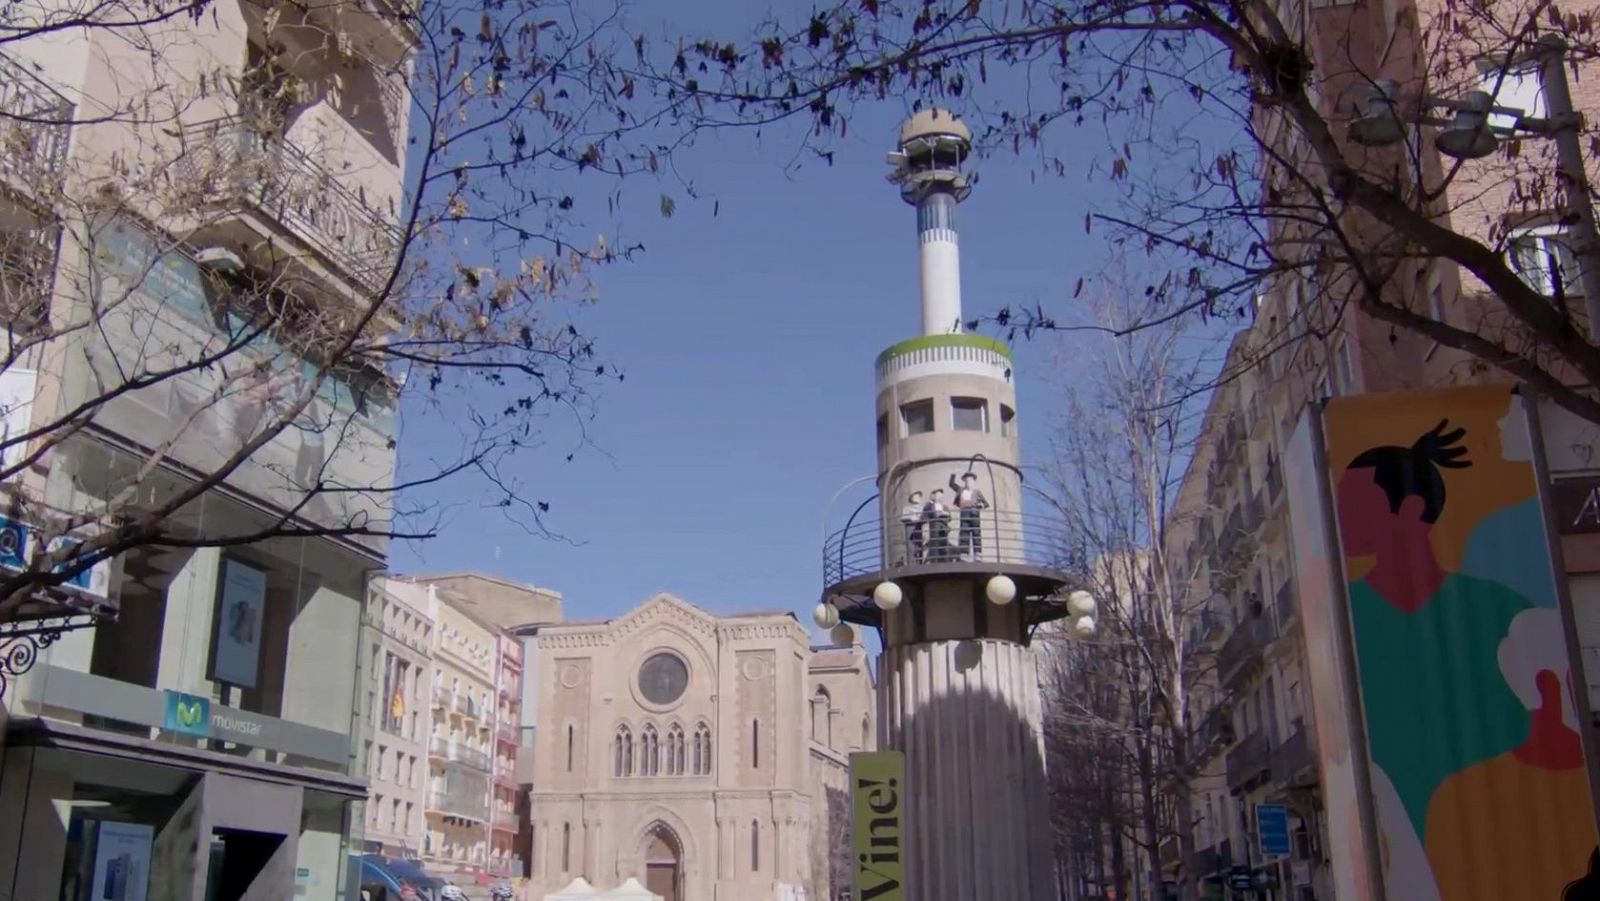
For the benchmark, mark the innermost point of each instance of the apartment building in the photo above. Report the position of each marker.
(517, 612)
(461, 742)
(399, 713)
(1251, 735)
(191, 716)
(1255, 738)
(505, 855)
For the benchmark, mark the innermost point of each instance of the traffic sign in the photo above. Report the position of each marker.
(1272, 829)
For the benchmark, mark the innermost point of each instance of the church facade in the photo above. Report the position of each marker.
(706, 756)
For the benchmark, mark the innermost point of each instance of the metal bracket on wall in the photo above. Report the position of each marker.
(22, 640)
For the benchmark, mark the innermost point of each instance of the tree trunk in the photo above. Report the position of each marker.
(1150, 822)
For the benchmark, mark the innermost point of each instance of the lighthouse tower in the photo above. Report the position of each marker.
(953, 571)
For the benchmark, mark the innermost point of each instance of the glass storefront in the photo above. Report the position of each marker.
(203, 742)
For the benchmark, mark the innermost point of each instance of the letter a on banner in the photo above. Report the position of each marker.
(877, 805)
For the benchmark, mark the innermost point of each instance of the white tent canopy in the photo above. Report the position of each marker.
(581, 890)
(631, 891)
(578, 890)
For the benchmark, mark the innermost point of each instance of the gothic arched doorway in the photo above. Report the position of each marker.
(663, 863)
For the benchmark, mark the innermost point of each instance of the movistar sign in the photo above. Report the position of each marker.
(188, 714)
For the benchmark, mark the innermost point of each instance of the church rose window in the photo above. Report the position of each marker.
(663, 678)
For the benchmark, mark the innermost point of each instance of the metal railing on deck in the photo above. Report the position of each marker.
(35, 129)
(236, 162)
(866, 546)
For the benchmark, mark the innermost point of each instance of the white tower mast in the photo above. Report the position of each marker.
(933, 146)
(953, 574)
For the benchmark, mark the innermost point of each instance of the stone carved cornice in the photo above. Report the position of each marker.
(571, 640)
(787, 628)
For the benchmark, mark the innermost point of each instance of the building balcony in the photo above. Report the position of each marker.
(505, 774)
(280, 188)
(1206, 626)
(463, 804)
(1028, 548)
(35, 127)
(1241, 653)
(1294, 762)
(506, 866)
(1284, 605)
(472, 757)
(1210, 860)
(1274, 483)
(504, 819)
(441, 699)
(1169, 850)
(1249, 763)
(1214, 733)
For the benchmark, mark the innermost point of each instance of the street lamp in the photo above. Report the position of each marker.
(1468, 135)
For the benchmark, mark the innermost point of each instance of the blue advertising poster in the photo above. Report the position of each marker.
(1272, 828)
(241, 598)
(122, 861)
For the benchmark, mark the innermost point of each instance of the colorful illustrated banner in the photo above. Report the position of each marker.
(877, 803)
(1479, 788)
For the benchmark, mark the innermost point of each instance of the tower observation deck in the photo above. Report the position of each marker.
(952, 568)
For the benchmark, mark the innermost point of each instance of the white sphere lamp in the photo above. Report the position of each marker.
(826, 616)
(887, 595)
(843, 635)
(1083, 627)
(1081, 603)
(1001, 590)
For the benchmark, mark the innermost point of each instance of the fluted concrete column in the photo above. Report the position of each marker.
(966, 715)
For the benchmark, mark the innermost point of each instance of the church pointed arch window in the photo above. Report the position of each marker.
(702, 750)
(622, 752)
(675, 755)
(649, 751)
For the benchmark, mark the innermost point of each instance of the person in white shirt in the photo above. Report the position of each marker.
(911, 519)
(937, 516)
(971, 502)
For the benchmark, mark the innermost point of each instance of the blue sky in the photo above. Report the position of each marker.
(747, 339)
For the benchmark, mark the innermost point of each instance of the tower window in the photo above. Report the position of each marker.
(755, 846)
(883, 430)
(755, 744)
(969, 414)
(917, 417)
(1008, 425)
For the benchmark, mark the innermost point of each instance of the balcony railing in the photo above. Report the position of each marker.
(470, 756)
(1249, 762)
(1243, 647)
(1293, 760)
(504, 819)
(1214, 733)
(1284, 604)
(34, 130)
(865, 547)
(231, 162)
(506, 866)
(459, 803)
